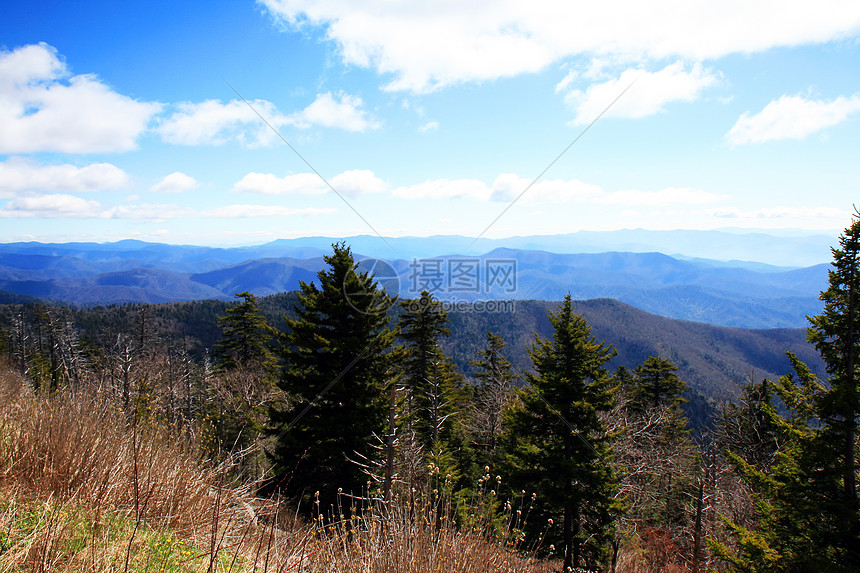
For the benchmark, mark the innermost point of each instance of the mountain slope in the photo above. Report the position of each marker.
(705, 291)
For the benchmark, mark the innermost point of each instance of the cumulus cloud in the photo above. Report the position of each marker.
(176, 182)
(268, 184)
(44, 108)
(487, 39)
(792, 117)
(214, 123)
(653, 90)
(342, 112)
(351, 183)
(18, 175)
(358, 182)
(54, 206)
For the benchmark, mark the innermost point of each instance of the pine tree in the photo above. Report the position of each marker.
(836, 335)
(246, 337)
(337, 365)
(428, 375)
(436, 395)
(655, 383)
(807, 499)
(747, 428)
(556, 443)
(792, 512)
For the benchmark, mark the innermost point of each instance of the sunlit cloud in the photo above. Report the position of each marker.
(45, 108)
(342, 112)
(487, 40)
(792, 117)
(17, 175)
(649, 95)
(176, 182)
(214, 123)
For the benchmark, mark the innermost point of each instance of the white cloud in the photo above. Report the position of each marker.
(792, 117)
(214, 123)
(343, 113)
(268, 184)
(429, 126)
(350, 183)
(18, 175)
(444, 189)
(430, 45)
(176, 182)
(358, 182)
(651, 92)
(55, 206)
(45, 108)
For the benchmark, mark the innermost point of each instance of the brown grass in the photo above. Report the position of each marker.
(82, 488)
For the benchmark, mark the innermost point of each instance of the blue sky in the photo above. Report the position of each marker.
(120, 120)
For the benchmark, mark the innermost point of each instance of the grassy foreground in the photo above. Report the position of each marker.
(83, 490)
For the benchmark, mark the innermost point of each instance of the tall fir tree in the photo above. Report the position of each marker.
(436, 395)
(337, 365)
(556, 443)
(246, 339)
(806, 500)
(655, 383)
(836, 335)
(242, 384)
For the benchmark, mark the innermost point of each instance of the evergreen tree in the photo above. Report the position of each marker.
(436, 395)
(556, 443)
(795, 522)
(246, 337)
(655, 383)
(337, 364)
(747, 428)
(807, 499)
(836, 335)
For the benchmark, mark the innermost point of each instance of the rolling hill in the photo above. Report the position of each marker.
(723, 293)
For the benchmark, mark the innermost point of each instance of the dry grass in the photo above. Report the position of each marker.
(82, 489)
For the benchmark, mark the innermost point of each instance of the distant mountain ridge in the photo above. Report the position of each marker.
(748, 295)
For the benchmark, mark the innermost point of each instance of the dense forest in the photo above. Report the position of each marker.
(340, 401)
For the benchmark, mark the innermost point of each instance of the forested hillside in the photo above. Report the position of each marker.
(585, 434)
(716, 361)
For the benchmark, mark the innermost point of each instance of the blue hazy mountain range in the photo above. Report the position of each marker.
(751, 293)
